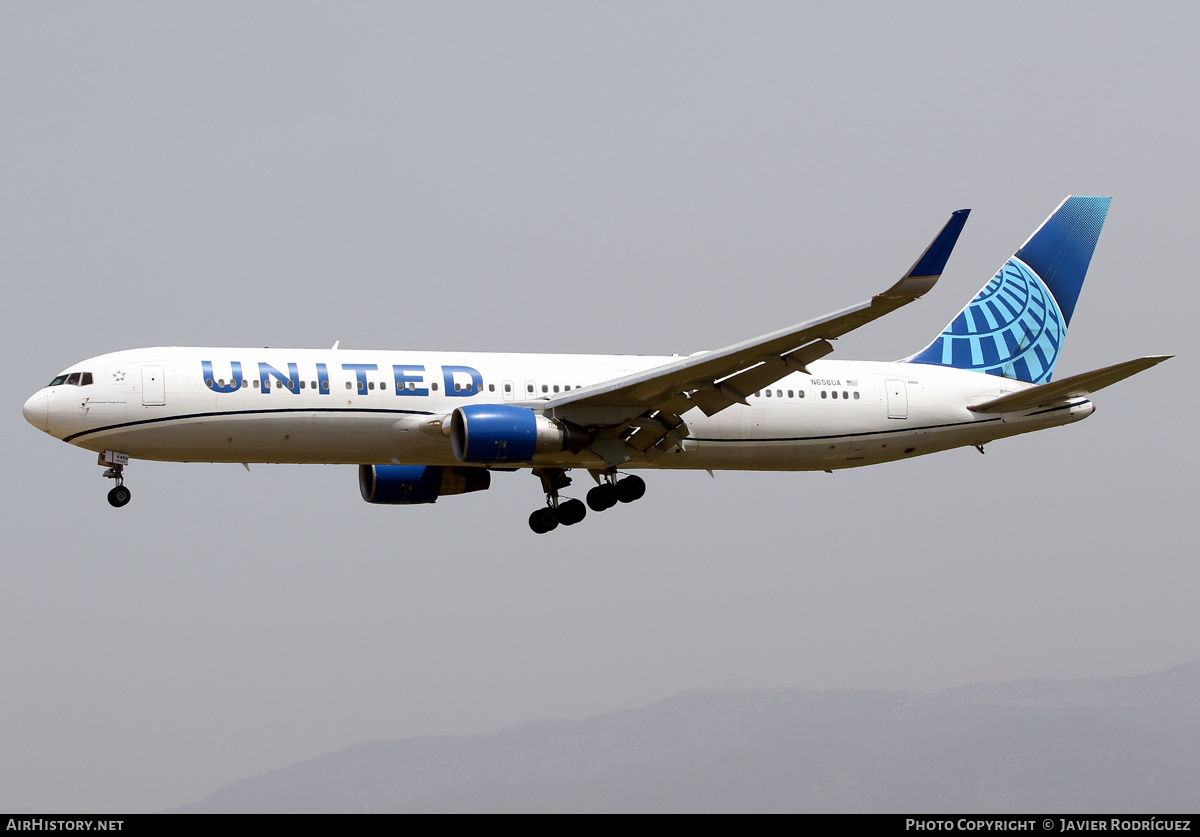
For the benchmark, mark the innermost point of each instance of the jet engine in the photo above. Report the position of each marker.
(400, 485)
(496, 433)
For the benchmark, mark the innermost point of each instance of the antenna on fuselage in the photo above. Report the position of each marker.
(335, 345)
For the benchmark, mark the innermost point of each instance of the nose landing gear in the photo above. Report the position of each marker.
(115, 463)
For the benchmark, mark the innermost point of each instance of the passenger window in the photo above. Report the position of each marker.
(800, 394)
(325, 386)
(779, 393)
(245, 383)
(855, 395)
(349, 385)
(433, 387)
(529, 388)
(361, 387)
(833, 394)
(208, 381)
(371, 385)
(556, 387)
(492, 388)
(845, 394)
(545, 388)
(768, 393)
(824, 394)
(791, 394)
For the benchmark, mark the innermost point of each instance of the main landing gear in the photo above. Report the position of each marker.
(115, 464)
(608, 494)
(569, 512)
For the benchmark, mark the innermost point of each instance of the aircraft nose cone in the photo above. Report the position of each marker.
(37, 410)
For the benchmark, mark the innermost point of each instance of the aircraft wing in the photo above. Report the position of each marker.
(653, 401)
(1076, 386)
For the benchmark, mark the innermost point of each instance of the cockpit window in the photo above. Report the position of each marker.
(75, 379)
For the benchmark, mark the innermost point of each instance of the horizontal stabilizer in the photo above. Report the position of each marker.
(1077, 386)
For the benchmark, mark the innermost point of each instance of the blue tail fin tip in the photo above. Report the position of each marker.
(1015, 326)
(1061, 249)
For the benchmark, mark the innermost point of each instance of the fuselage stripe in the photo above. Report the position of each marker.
(230, 413)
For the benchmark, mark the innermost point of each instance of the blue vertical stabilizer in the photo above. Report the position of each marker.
(1015, 326)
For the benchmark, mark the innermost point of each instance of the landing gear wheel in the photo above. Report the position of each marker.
(602, 497)
(631, 488)
(571, 512)
(119, 496)
(543, 520)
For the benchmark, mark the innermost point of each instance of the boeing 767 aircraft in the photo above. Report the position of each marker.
(421, 425)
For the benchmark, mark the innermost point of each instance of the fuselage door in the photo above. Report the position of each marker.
(897, 398)
(154, 386)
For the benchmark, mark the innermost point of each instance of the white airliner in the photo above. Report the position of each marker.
(421, 425)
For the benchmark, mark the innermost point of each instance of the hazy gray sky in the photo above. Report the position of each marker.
(639, 177)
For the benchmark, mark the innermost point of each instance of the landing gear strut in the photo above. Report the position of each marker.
(569, 512)
(115, 463)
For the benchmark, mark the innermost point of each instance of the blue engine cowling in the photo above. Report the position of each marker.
(504, 433)
(399, 485)
(494, 433)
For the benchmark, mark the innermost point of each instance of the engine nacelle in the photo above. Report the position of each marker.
(400, 485)
(495, 433)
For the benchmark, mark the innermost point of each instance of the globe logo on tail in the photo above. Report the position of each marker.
(1012, 328)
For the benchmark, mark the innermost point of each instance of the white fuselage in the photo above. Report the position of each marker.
(375, 407)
